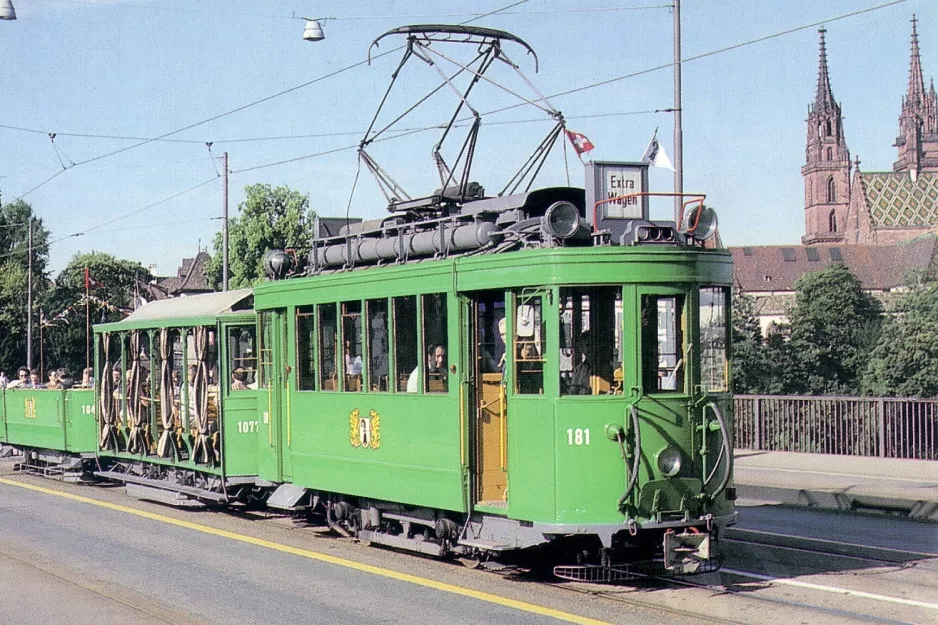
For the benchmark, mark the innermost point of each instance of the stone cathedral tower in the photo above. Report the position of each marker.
(918, 122)
(826, 171)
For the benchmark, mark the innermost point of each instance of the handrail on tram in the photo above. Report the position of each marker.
(695, 198)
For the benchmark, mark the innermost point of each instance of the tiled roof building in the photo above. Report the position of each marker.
(191, 279)
(846, 205)
(768, 273)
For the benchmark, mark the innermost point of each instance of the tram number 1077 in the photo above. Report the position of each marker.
(578, 437)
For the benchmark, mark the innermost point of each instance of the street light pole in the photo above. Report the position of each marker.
(678, 130)
(29, 297)
(224, 229)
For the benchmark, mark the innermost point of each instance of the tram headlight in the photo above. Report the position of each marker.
(669, 461)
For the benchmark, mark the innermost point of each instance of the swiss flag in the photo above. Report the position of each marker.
(579, 142)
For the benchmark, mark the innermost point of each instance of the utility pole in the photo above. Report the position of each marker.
(29, 297)
(224, 229)
(678, 131)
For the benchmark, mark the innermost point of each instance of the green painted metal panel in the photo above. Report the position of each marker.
(81, 421)
(36, 418)
(3, 417)
(408, 453)
(240, 430)
(590, 468)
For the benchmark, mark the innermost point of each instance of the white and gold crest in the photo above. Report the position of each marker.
(364, 432)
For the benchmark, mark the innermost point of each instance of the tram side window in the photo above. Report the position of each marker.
(378, 352)
(662, 343)
(328, 338)
(529, 338)
(242, 357)
(713, 330)
(352, 339)
(305, 349)
(405, 342)
(590, 341)
(435, 373)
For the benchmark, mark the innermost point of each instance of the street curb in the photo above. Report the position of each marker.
(918, 510)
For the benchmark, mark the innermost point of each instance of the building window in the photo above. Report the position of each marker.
(827, 128)
(830, 190)
(832, 221)
(830, 154)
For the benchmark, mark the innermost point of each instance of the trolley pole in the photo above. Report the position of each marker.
(678, 131)
(224, 228)
(29, 297)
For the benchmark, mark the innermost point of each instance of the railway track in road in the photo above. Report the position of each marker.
(737, 596)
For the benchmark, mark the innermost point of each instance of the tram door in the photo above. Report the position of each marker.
(489, 431)
(273, 379)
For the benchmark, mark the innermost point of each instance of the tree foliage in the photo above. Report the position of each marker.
(904, 362)
(14, 260)
(761, 366)
(271, 218)
(748, 347)
(834, 326)
(114, 285)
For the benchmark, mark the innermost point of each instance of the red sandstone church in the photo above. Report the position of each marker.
(880, 225)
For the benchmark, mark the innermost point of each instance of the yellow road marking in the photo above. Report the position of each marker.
(314, 555)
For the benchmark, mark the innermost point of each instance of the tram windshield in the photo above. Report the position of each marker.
(713, 344)
(662, 343)
(590, 340)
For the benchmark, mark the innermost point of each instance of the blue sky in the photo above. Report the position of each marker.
(145, 68)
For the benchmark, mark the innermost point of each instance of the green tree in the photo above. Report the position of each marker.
(271, 218)
(14, 260)
(748, 347)
(113, 286)
(904, 362)
(834, 326)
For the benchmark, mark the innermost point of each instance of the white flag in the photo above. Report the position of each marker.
(655, 154)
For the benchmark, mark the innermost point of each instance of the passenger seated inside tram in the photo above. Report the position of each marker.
(239, 380)
(579, 383)
(53, 383)
(34, 379)
(436, 371)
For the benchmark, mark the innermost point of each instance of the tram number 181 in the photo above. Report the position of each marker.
(578, 436)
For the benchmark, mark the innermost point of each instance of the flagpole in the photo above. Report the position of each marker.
(87, 319)
(678, 130)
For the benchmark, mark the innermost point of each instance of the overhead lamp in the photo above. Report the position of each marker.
(313, 30)
(7, 12)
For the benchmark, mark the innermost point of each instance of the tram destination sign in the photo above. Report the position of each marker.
(606, 184)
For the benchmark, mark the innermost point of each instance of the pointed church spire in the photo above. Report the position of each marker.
(824, 100)
(916, 95)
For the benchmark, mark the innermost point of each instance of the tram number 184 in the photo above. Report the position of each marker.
(578, 436)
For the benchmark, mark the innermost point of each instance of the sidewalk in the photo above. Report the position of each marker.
(908, 487)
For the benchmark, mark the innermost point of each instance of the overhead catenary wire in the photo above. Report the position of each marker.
(595, 85)
(352, 66)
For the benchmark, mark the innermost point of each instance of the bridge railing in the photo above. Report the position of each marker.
(887, 427)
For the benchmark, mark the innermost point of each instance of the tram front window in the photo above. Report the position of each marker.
(662, 343)
(713, 330)
(590, 340)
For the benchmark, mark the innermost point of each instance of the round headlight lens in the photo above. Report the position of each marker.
(669, 461)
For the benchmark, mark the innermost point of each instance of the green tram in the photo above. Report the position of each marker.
(521, 379)
(470, 376)
(498, 393)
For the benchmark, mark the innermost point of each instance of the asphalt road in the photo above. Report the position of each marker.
(81, 554)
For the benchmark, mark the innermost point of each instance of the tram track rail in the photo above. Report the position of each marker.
(818, 546)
